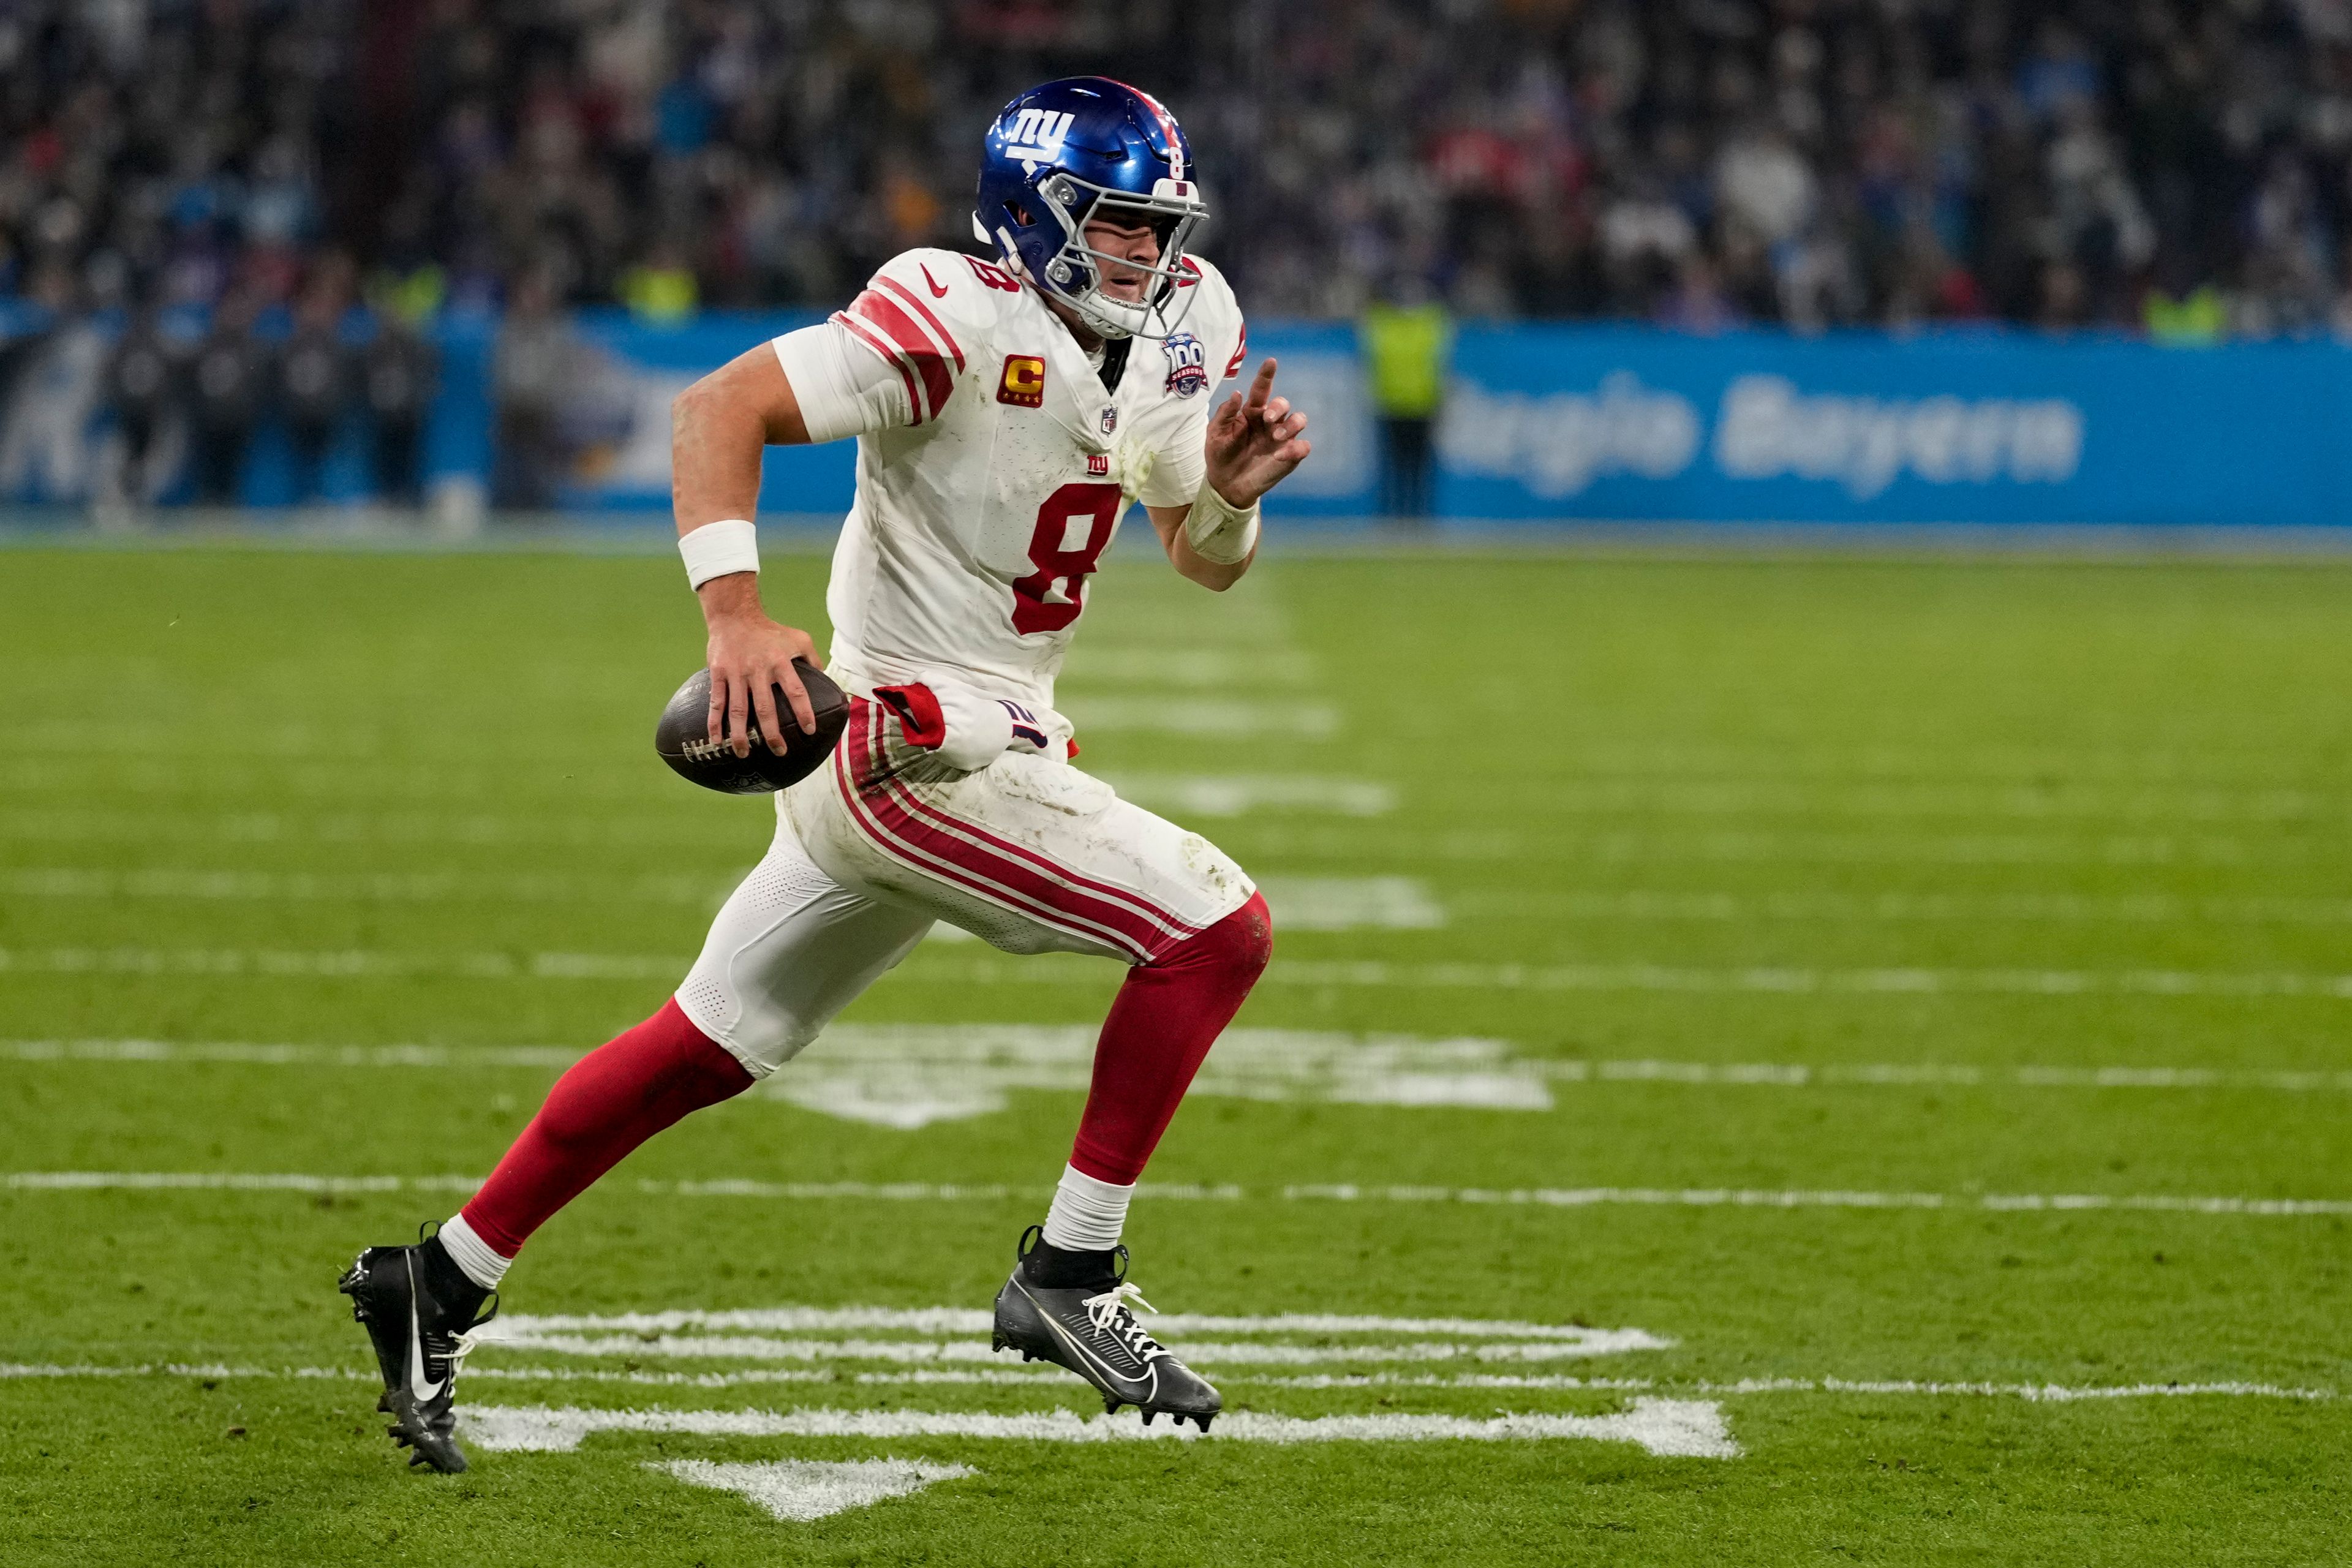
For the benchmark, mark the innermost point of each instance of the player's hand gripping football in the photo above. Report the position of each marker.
(1253, 443)
(751, 657)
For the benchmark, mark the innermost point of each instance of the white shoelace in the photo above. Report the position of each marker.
(461, 1346)
(1109, 1313)
(466, 1344)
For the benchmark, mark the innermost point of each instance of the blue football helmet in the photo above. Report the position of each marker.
(1069, 150)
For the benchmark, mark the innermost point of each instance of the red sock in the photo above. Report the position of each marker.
(1161, 1025)
(611, 1100)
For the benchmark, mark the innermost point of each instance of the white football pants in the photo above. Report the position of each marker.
(1028, 853)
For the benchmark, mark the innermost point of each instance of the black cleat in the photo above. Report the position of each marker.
(1071, 1309)
(422, 1314)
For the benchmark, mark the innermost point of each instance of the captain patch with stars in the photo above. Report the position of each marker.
(1186, 374)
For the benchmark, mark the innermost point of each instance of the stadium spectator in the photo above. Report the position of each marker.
(531, 375)
(52, 394)
(314, 384)
(402, 373)
(143, 382)
(1406, 339)
(661, 290)
(228, 377)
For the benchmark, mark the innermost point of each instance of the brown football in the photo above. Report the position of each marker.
(683, 738)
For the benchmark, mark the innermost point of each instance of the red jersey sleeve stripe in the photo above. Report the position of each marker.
(920, 353)
(890, 356)
(907, 297)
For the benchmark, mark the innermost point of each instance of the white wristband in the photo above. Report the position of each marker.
(1218, 530)
(716, 549)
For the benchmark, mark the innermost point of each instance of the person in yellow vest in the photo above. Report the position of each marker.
(1406, 339)
(660, 290)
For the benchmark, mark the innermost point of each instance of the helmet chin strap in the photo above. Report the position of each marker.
(1110, 330)
(1089, 305)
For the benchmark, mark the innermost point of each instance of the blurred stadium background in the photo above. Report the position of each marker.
(1805, 261)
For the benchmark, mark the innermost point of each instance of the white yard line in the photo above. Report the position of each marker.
(1904, 1075)
(1793, 980)
(1257, 1064)
(1217, 718)
(1145, 678)
(1520, 847)
(1847, 797)
(376, 964)
(698, 833)
(1238, 795)
(1184, 664)
(1312, 903)
(1523, 1197)
(796, 1491)
(975, 1321)
(197, 885)
(2038, 1392)
(1351, 903)
(910, 1075)
(229, 1180)
(363, 963)
(910, 1351)
(2068, 908)
(251, 1053)
(1666, 1427)
(1735, 1198)
(1323, 903)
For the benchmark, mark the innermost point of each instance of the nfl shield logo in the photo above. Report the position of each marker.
(1110, 418)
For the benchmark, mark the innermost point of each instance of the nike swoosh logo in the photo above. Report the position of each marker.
(937, 293)
(417, 1386)
(1087, 1354)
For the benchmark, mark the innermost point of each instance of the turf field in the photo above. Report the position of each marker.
(1766, 1061)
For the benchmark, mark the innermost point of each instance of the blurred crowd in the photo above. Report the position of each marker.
(2154, 164)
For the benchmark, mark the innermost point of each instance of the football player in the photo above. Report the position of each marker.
(1007, 411)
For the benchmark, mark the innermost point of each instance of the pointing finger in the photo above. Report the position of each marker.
(1261, 387)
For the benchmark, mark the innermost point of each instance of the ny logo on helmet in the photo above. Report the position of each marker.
(1035, 135)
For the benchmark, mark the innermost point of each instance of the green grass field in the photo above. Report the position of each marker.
(1907, 1000)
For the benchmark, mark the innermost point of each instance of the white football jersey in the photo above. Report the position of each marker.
(994, 467)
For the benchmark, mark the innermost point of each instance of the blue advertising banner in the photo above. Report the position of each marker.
(1955, 426)
(621, 418)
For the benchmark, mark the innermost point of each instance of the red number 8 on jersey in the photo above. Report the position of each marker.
(1073, 528)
